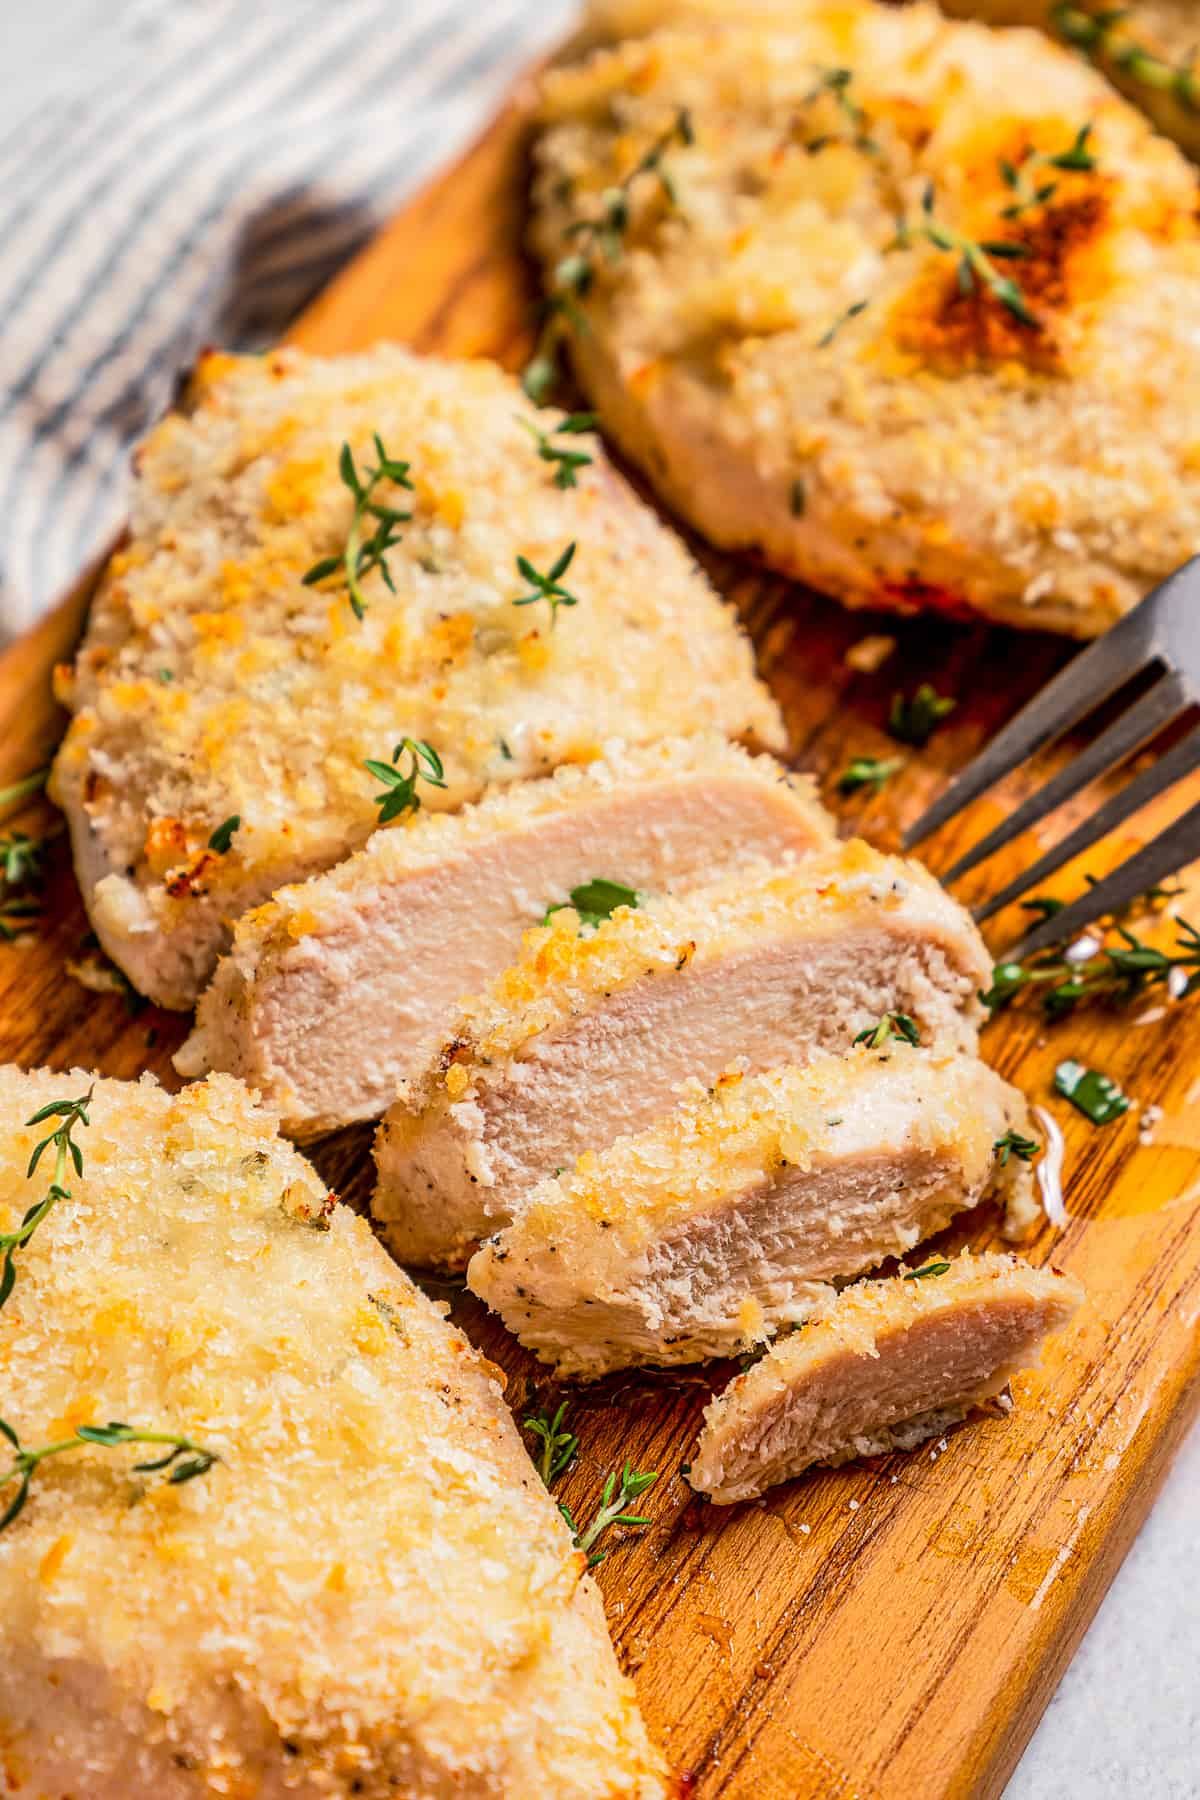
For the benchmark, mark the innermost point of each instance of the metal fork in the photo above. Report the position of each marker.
(1159, 638)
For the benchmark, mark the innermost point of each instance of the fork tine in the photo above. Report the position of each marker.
(1088, 679)
(1179, 761)
(1164, 855)
(1164, 702)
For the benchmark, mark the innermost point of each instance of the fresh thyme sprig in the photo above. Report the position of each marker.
(547, 587)
(975, 265)
(400, 785)
(892, 1025)
(184, 1459)
(837, 83)
(603, 236)
(1019, 177)
(1014, 1144)
(868, 771)
(595, 901)
(568, 461)
(915, 721)
(1102, 36)
(558, 1446)
(1115, 974)
(66, 1152)
(611, 1511)
(362, 552)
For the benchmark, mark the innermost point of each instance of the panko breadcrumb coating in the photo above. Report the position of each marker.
(799, 324)
(370, 1593)
(214, 688)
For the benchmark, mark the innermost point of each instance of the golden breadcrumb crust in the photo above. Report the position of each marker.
(214, 685)
(371, 1591)
(799, 376)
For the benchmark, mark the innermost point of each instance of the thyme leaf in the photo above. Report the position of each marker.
(222, 837)
(183, 1460)
(547, 587)
(558, 1446)
(400, 785)
(868, 771)
(836, 82)
(1097, 1096)
(892, 1025)
(568, 461)
(923, 1274)
(595, 901)
(851, 312)
(611, 1511)
(1019, 177)
(67, 1154)
(365, 551)
(1013, 1144)
(28, 784)
(915, 721)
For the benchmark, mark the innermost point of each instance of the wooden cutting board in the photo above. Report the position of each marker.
(893, 1630)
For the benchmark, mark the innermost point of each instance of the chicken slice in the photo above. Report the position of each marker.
(224, 705)
(587, 1037)
(370, 1592)
(883, 1366)
(724, 1222)
(343, 985)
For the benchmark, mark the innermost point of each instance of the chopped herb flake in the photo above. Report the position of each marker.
(868, 771)
(915, 721)
(222, 837)
(1097, 1096)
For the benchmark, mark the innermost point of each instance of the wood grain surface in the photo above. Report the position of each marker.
(893, 1629)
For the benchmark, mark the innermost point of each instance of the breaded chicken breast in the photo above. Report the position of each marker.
(338, 561)
(882, 1366)
(910, 307)
(590, 1036)
(727, 1221)
(368, 1592)
(337, 989)
(1147, 50)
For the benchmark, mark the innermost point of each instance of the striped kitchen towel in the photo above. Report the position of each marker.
(175, 173)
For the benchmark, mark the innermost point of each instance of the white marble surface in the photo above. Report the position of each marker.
(1125, 1722)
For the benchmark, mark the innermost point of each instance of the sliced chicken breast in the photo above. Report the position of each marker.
(343, 985)
(587, 1037)
(883, 1366)
(370, 1591)
(910, 307)
(725, 1222)
(1147, 50)
(228, 694)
